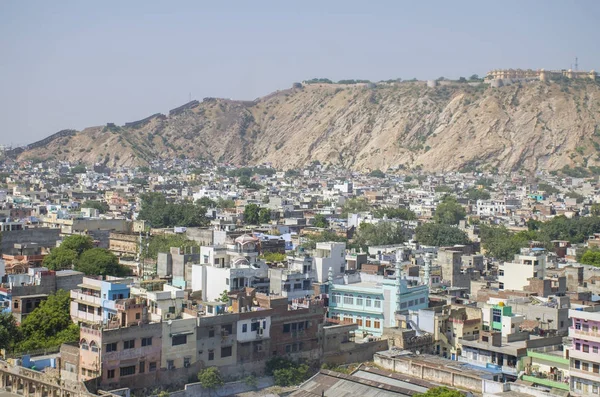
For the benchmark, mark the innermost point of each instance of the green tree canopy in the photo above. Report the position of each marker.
(321, 221)
(591, 257)
(225, 203)
(441, 391)
(99, 261)
(286, 372)
(395, 213)
(10, 334)
(206, 202)
(77, 243)
(264, 215)
(383, 233)
(210, 378)
(352, 206)
(101, 206)
(161, 213)
(60, 258)
(164, 242)
(377, 174)
(475, 194)
(322, 237)
(49, 324)
(449, 212)
(251, 214)
(440, 235)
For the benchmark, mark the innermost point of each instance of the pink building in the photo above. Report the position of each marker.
(584, 353)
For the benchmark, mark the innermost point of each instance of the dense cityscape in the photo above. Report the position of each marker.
(185, 276)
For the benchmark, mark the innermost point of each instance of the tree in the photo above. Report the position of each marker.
(210, 378)
(474, 77)
(101, 206)
(355, 205)
(224, 296)
(324, 236)
(475, 194)
(377, 174)
(462, 80)
(225, 203)
(591, 257)
(156, 210)
(78, 169)
(449, 212)
(321, 221)
(60, 258)
(274, 257)
(251, 214)
(440, 235)
(49, 324)
(99, 261)
(264, 215)
(441, 391)
(286, 372)
(384, 233)
(163, 243)
(206, 202)
(595, 209)
(395, 213)
(77, 243)
(10, 333)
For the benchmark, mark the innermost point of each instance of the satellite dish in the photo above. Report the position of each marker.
(417, 352)
(170, 322)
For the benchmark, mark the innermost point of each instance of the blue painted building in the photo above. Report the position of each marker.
(373, 305)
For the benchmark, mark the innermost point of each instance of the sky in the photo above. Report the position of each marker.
(76, 64)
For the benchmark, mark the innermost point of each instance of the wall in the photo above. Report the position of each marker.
(355, 352)
(178, 352)
(42, 236)
(233, 388)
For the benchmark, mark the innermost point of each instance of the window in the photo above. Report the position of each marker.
(501, 272)
(211, 355)
(359, 321)
(336, 298)
(286, 328)
(16, 305)
(152, 366)
(578, 326)
(577, 364)
(94, 347)
(348, 299)
(254, 326)
(211, 333)
(170, 364)
(403, 305)
(84, 345)
(500, 285)
(127, 371)
(172, 309)
(410, 303)
(376, 324)
(110, 373)
(186, 362)
(142, 367)
(129, 344)
(585, 366)
(147, 341)
(368, 301)
(342, 269)
(137, 316)
(359, 300)
(422, 300)
(594, 349)
(577, 346)
(245, 328)
(377, 303)
(226, 352)
(586, 348)
(179, 340)
(288, 348)
(596, 368)
(226, 281)
(368, 322)
(497, 315)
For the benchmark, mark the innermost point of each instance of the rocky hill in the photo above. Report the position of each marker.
(530, 126)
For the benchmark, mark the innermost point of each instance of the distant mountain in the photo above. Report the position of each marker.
(529, 126)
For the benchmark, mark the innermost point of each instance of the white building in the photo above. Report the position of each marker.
(329, 256)
(490, 207)
(515, 275)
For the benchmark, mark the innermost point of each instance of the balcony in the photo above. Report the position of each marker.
(546, 382)
(585, 335)
(85, 298)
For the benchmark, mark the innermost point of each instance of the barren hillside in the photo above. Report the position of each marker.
(531, 126)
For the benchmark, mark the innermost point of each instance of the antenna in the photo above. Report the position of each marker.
(576, 65)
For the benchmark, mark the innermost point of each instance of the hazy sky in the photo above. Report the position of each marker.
(74, 64)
